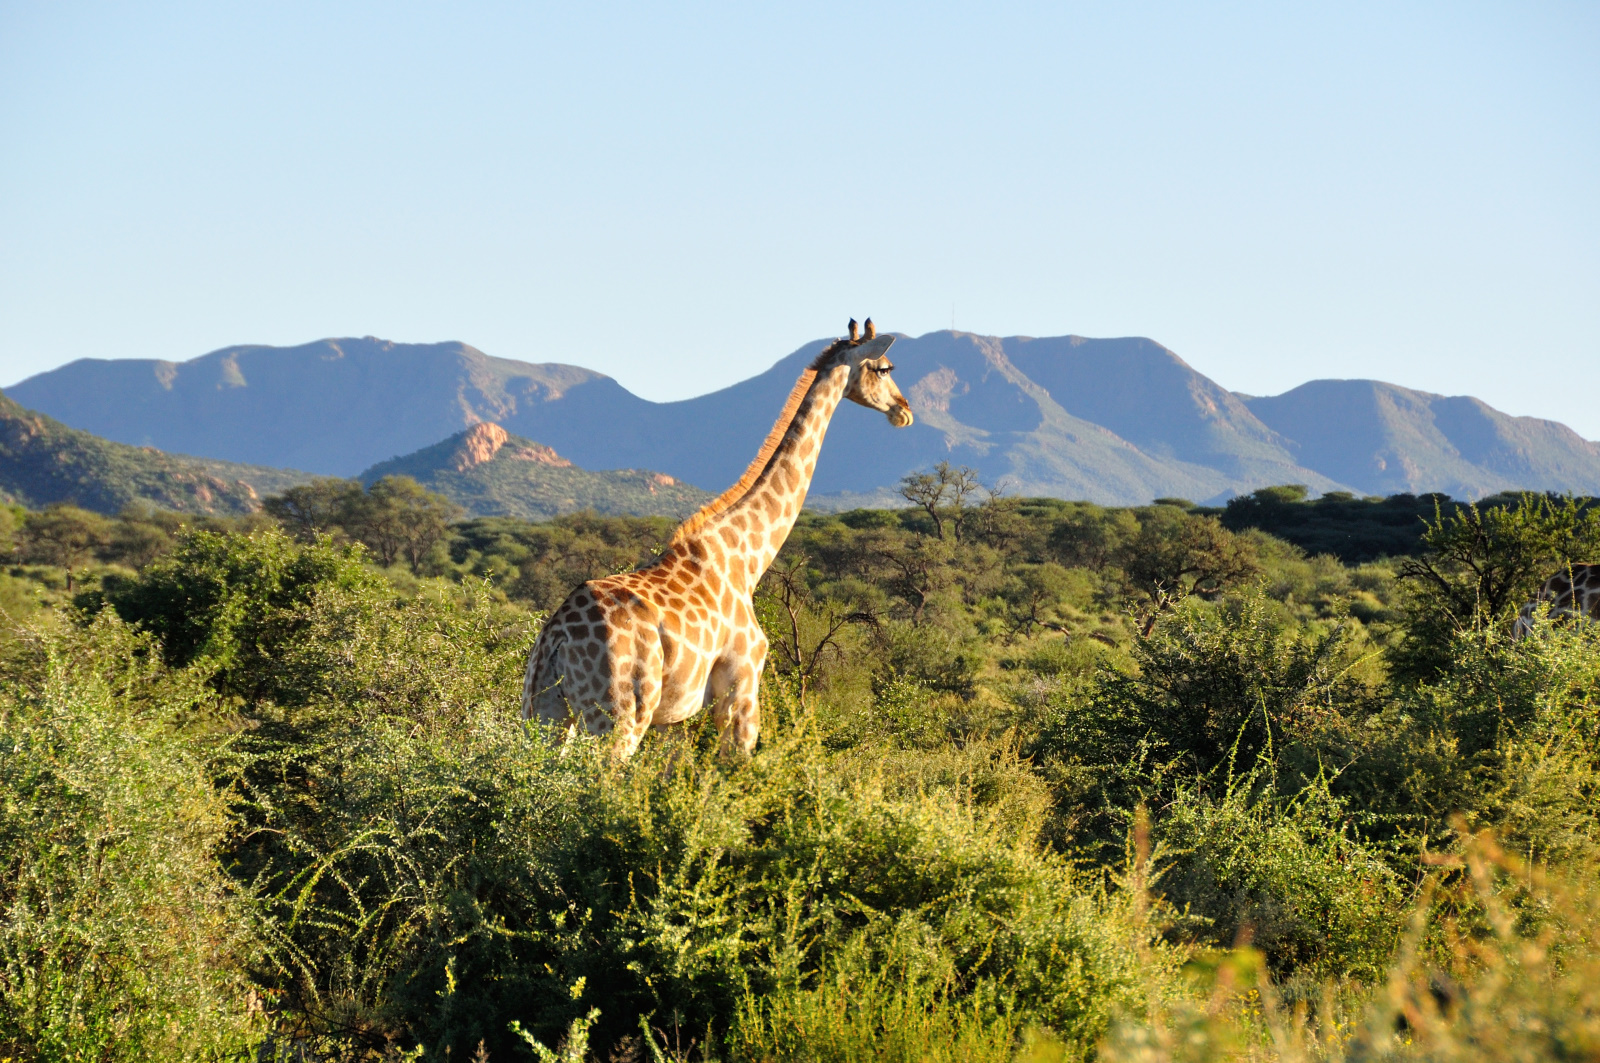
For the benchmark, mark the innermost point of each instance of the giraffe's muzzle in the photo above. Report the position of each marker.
(900, 412)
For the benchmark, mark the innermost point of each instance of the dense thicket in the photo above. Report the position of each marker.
(1037, 780)
(1350, 528)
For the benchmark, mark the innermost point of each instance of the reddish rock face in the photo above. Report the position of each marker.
(484, 441)
(481, 443)
(540, 453)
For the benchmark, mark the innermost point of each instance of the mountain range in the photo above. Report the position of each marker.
(1118, 421)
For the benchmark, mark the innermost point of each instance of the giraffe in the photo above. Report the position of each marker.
(1574, 591)
(652, 647)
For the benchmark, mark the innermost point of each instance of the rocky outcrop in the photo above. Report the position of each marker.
(482, 443)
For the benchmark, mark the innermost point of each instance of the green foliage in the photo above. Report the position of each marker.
(1354, 530)
(1480, 565)
(313, 768)
(65, 536)
(1285, 874)
(875, 1007)
(236, 603)
(309, 510)
(449, 881)
(540, 563)
(1210, 689)
(396, 518)
(395, 866)
(944, 495)
(1492, 988)
(1176, 554)
(1509, 737)
(120, 938)
(574, 1047)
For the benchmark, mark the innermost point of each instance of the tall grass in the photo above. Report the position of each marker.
(1473, 980)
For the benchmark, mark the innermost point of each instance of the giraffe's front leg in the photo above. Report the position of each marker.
(736, 689)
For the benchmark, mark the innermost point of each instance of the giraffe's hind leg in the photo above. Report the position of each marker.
(635, 691)
(546, 686)
(543, 696)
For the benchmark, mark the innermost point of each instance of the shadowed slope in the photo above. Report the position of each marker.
(43, 461)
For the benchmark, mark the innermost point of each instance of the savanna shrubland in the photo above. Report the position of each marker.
(1037, 780)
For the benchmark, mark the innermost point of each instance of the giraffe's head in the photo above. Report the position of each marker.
(870, 383)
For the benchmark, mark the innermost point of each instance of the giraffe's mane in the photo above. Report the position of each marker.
(770, 444)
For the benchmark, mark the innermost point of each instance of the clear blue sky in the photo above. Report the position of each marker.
(679, 194)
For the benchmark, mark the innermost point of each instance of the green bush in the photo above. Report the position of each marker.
(236, 602)
(898, 999)
(451, 882)
(1211, 688)
(1479, 565)
(1286, 875)
(1509, 736)
(120, 938)
(1484, 990)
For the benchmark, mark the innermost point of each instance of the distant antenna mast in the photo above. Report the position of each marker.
(952, 317)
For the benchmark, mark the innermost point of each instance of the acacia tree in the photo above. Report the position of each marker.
(803, 631)
(913, 568)
(316, 508)
(943, 494)
(65, 536)
(1177, 554)
(1092, 537)
(1480, 565)
(399, 518)
(1034, 595)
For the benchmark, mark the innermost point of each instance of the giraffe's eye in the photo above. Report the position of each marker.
(881, 369)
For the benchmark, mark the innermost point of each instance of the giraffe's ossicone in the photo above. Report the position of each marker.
(653, 647)
(1573, 592)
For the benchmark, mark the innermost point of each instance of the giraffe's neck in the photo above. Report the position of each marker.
(753, 529)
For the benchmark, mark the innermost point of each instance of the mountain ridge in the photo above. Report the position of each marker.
(1112, 420)
(1472, 448)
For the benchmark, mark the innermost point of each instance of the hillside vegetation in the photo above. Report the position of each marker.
(43, 461)
(491, 473)
(1037, 781)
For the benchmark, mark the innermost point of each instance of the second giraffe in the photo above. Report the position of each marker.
(653, 647)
